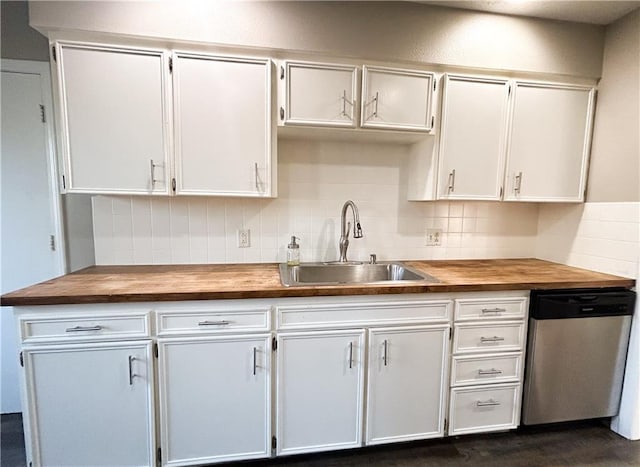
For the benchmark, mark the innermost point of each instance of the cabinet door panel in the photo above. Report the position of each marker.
(319, 94)
(549, 143)
(113, 119)
(215, 399)
(84, 408)
(396, 99)
(472, 138)
(407, 380)
(222, 125)
(320, 390)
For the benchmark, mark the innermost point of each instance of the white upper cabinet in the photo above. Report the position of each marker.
(319, 94)
(396, 99)
(113, 119)
(549, 142)
(472, 138)
(223, 132)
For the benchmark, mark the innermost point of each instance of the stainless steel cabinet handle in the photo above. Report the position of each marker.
(350, 354)
(452, 180)
(494, 310)
(153, 174)
(255, 165)
(491, 339)
(214, 323)
(384, 356)
(487, 403)
(375, 111)
(492, 371)
(518, 183)
(84, 328)
(255, 363)
(131, 375)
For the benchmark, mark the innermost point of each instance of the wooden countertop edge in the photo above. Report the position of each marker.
(289, 292)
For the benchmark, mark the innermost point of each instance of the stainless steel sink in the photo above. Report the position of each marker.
(337, 273)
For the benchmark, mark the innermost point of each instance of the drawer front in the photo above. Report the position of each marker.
(213, 322)
(362, 314)
(488, 369)
(490, 408)
(475, 338)
(490, 308)
(85, 328)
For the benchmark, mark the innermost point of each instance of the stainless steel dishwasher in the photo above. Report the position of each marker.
(576, 353)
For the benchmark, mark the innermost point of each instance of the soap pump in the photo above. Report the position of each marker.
(293, 252)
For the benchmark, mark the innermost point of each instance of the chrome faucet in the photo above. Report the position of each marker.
(345, 226)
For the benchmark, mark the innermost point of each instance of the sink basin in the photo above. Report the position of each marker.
(336, 273)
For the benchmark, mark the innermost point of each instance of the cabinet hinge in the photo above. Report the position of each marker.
(52, 242)
(509, 91)
(274, 442)
(170, 64)
(159, 456)
(155, 350)
(434, 85)
(281, 72)
(450, 333)
(21, 360)
(274, 344)
(501, 191)
(64, 183)
(30, 464)
(53, 53)
(173, 184)
(281, 113)
(446, 425)
(433, 121)
(42, 116)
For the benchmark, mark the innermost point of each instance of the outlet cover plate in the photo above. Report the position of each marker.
(434, 237)
(244, 238)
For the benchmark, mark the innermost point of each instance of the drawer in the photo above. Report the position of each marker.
(363, 314)
(213, 321)
(489, 408)
(475, 338)
(490, 308)
(498, 368)
(83, 328)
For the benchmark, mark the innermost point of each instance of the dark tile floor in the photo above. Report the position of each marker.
(576, 444)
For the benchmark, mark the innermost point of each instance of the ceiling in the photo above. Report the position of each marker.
(581, 11)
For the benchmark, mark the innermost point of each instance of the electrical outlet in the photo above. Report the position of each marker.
(434, 237)
(244, 238)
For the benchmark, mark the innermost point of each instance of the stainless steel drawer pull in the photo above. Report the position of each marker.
(488, 403)
(384, 356)
(131, 375)
(492, 371)
(517, 183)
(255, 363)
(375, 112)
(350, 354)
(493, 310)
(214, 323)
(84, 328)
(491, 339)
(452, 181)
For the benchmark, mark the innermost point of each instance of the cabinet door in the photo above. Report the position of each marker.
(215, 399)
(320, 94)
(472, 138)
(223, 133)
(320, 391)
(407, 383)
(113, 119)
(549, 142)
(396, 99)
(90, 404)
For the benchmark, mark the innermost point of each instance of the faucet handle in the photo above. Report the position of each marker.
(373, 259)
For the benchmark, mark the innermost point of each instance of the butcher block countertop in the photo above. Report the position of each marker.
(113, 284)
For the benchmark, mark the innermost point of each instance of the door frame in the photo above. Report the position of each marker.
(43, 70)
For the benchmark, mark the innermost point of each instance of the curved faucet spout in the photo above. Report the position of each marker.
(346, 226)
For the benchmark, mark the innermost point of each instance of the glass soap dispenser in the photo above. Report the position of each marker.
(293, 252)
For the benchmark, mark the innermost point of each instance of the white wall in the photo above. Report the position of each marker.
(391, 31)
(315, 179)
(19, 41)
(615, 156)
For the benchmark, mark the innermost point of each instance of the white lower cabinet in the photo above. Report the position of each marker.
(320, 390)
(482, 409)
(215, 398)
(90, 404)
(407, 383)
